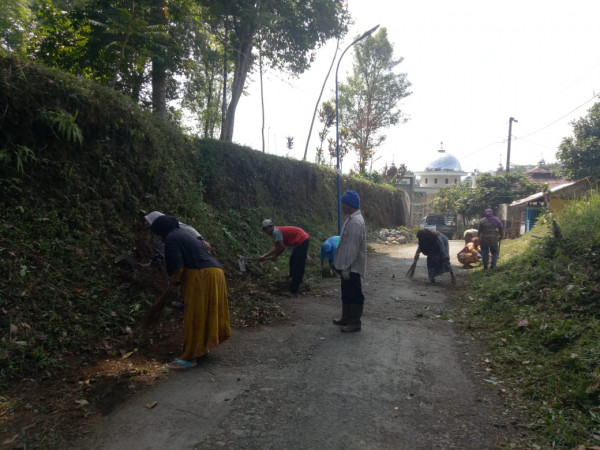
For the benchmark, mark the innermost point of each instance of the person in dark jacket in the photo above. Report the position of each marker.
(436, 247)
(206, 321)
(490, 235)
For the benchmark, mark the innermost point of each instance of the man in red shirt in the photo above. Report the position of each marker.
(288, 237)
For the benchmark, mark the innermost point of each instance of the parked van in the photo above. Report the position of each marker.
(445, 223)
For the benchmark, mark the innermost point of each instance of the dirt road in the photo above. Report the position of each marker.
(403, 382)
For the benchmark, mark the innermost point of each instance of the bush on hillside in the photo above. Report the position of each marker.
(540, 312)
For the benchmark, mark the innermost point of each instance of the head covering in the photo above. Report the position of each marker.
(151, 217)
(492, 219)
(352, 199)
(163, 225)
(328, 247)
(427, 240)
(266, 224)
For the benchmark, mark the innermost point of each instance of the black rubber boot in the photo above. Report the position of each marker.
(354, 315)
(343, 321)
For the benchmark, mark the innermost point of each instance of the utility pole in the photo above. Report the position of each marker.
(510, 121)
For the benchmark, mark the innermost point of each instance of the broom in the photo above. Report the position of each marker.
(411, 272)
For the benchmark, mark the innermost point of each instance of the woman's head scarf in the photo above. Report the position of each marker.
(151, 217)
(427, 240)
(163, 225)
(492, 219)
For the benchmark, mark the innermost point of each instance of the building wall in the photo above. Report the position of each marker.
(438, 180)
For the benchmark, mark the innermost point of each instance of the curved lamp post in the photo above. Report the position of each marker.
(337, 131)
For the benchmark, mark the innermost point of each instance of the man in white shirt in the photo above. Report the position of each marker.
(351, 263)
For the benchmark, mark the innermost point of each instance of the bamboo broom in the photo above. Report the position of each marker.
(411, 272)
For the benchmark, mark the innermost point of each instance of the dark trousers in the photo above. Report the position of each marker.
(297, 265)
(485, 254)
(352, 290)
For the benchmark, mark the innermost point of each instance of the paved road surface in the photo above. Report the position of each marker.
(401, 383)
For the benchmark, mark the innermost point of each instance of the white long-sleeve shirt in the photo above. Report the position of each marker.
(352, 250)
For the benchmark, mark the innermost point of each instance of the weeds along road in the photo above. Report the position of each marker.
(403, 382)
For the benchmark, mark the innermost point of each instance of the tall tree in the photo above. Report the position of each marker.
(327, 119)
(368, 101)
(392, 173)
(289, 142)
(122, 43)
(580, 154)
(159, 58)
(343, 135)
(15, 24)
(60, 38)
(204, 82)
(289, 31)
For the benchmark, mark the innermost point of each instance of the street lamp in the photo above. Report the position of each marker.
(337, 126)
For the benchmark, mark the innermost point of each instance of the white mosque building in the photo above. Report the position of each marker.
(443, 171)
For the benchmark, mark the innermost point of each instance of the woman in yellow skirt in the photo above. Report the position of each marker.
(206, 312)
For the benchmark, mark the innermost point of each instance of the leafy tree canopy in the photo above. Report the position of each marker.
(287, 32)
(491, 191)
(15, 24)
(580, 154)
(368, 101)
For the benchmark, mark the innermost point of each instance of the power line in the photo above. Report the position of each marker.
(537, 131)
(534, 143)
(484, 147)
(562, 117)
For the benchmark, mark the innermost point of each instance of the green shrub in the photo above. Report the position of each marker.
(540, 312)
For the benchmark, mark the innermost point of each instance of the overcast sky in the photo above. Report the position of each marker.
(472, 64)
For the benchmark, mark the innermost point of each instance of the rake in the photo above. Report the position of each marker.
(242, 260)
(130, 260)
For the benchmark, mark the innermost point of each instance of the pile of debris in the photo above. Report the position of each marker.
(396, 236)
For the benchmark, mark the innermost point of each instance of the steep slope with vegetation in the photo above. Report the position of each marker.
(539, 315)
(77, 164)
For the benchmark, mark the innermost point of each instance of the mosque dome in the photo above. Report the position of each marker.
(444, 161)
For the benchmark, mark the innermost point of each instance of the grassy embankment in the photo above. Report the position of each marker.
(538, 314)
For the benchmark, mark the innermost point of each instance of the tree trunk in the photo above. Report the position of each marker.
(243, 62)
(208, 120)
(124, 45)
(159, 87)
(262, 98)
(136, 85)
(159, 67)
(224, 100)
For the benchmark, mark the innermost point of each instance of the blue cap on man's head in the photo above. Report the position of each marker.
(351, 198)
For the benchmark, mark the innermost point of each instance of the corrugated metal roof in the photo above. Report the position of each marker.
(541, 194)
